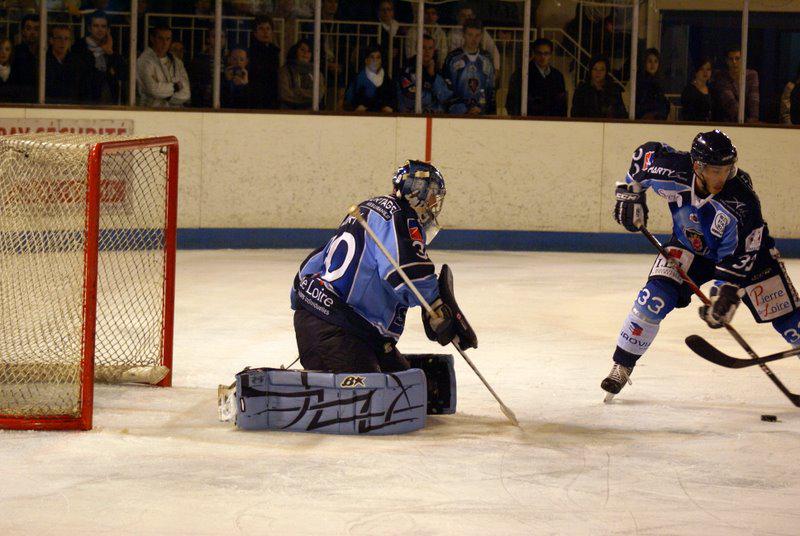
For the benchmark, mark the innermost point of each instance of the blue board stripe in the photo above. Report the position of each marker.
(221, 238)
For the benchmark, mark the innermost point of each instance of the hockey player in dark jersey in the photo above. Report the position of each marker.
(350, 302)
(718, 234)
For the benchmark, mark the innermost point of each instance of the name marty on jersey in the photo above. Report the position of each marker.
(660, 170)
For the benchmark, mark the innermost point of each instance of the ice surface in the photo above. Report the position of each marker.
(682, 451)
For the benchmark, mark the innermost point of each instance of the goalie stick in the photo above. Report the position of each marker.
(794, 398)
(707, 351)
(355, 212)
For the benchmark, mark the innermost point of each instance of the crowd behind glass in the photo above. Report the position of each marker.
(269, 64)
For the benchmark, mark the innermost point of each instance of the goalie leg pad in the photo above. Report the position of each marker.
(441, 378)
(371, 403)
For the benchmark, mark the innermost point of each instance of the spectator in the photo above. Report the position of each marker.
(264, 63)
(236, 90)
(61, 76)
(201, 72)
(725, 90)
(372, 90)
(651, 103)
(598, 95)
(696, 97)
(176, 49)
(100, 69)
(26, 56)
(436, 32)
(297, 78)
(790, 102)
(547, 94)
(10, 90)
(390, 29)
(469, 74)
(435, 92)
(487, 44)
(161, 79)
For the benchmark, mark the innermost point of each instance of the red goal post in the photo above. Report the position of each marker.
(87, 271)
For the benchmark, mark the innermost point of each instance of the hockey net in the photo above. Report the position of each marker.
(87, 241)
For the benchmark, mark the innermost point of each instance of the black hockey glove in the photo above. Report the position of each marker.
(449, 321)
(631, 208)
(724, 301)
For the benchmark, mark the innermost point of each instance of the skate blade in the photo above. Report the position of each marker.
(609, 397)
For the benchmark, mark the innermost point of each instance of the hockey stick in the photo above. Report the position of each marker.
(356, 213)
(794, 398)
(707, 351)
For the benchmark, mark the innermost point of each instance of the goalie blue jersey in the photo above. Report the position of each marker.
(349, 282)
(727, 227)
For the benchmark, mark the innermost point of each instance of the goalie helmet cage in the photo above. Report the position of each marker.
(87, 271)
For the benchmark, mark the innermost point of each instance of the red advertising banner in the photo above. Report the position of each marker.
(11, 125)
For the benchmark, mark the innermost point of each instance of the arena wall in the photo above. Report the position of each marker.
(245, 179)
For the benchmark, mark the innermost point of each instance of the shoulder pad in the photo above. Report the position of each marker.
(384, 206)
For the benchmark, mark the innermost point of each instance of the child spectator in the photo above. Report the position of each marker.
(696, 96)
(296, 78)
(161, 79)
(372, 90)
(236, 87)
(651, 103)
(598, 95)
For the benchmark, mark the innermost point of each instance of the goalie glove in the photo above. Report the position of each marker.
(724, 300)
(630, 211)
(448, 322)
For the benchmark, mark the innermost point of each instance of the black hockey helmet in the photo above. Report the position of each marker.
(713, 148)
(422, 185)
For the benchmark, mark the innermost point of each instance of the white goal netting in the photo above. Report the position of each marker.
(46, 269)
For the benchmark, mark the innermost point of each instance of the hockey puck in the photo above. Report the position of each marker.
(769, 418)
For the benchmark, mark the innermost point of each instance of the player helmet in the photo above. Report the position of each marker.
(713, 148)
(422, 185)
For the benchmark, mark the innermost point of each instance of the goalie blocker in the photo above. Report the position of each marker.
(347, 403)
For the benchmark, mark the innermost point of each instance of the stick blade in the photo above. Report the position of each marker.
(707, 351)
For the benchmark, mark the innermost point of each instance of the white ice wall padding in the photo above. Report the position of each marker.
(296, 170)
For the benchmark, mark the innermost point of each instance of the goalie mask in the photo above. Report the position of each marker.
(422, 185)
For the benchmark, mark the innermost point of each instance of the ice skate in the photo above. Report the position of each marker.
(615, 381)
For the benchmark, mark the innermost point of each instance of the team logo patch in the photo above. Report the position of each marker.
(635, 329)
(473, 84)
(414, 231)
(353, 381)
(693, 218)
(696, 240)
(721, 221)
(648, 160)
(753, 240)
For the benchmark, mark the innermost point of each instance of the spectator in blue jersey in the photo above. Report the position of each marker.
(651, 103)
(435, 92)
(469, 74)
(599, 95)
(372, 90)
(350, 300)
(547, 93)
